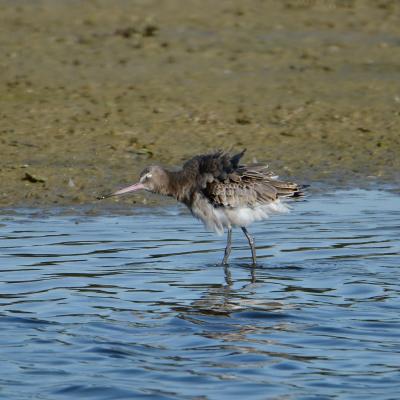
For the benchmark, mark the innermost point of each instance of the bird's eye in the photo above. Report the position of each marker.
(145, 178)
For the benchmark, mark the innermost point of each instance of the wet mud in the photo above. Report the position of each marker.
(93, 91)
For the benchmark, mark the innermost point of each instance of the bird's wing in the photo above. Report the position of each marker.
(224, 182)
(212, 167)
(248, 186)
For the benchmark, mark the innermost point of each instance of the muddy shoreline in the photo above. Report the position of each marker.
(94, 91)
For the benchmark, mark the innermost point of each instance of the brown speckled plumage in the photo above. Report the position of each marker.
(220, 178)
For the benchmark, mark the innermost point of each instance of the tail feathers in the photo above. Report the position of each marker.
(290, 189)
(300, 191)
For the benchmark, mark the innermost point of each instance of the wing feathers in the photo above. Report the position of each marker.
(226, 183)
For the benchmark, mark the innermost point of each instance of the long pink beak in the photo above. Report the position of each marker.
(128, 189)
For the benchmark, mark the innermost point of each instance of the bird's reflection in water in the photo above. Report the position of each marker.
(228, 275)
(228, 298)
(235, 312)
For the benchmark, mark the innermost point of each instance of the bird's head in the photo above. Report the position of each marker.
(153, 179)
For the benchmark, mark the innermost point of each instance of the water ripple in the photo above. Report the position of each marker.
(122, 307)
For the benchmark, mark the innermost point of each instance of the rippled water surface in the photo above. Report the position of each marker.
(132, 307)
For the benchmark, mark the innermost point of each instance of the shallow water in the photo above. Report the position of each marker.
(131, 307)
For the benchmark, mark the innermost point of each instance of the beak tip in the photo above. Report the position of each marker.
(128, 189)
(103, 196)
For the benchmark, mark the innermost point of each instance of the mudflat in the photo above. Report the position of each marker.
(93, 91)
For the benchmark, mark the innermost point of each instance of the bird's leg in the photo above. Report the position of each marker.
(228, 247)
(251, 243)
(228, 275)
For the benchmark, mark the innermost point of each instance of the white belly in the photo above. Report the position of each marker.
(244, 216)
(219, 218)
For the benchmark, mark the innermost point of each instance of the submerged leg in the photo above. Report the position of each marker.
(228, 247)
(251, 243)
(228, 275)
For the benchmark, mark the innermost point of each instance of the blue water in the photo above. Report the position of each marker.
(136, 307)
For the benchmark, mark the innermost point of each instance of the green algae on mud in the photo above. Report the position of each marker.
(94, 91)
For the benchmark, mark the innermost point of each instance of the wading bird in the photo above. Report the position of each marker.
(220, 192)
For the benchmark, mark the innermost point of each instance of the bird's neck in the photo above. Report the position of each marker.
(178, 185)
